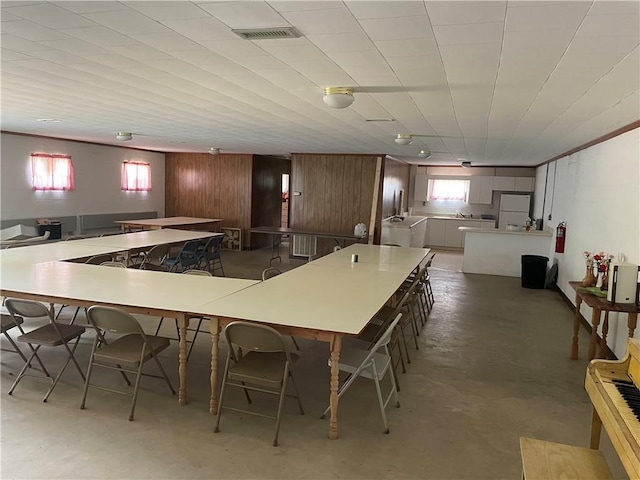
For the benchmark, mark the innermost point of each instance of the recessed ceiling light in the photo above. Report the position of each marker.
(50, 120)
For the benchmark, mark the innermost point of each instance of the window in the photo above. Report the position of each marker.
(136, 176)
(448, 190)
(51, 172)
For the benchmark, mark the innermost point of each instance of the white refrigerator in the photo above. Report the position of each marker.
(514, 210)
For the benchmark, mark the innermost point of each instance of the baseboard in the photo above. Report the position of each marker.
(585, 323)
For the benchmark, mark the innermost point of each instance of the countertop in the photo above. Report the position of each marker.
(408, 222)
(474, 219)
(531, 233)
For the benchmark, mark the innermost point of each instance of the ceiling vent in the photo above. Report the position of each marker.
(267, 33)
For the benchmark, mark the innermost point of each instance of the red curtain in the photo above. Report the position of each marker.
(51, 172)
(136, 176)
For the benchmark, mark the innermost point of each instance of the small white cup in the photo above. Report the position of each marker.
(354, 258)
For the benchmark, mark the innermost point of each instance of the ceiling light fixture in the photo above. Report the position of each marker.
(338, 97)
(466, 164)
(124, 136)
(48, 120)
(403, 139)
(424, 154)
(214, 150)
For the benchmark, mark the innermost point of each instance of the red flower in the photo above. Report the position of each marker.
(602, 267)
(597, 257)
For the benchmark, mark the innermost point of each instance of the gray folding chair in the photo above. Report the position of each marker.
(264, 367)
(127, 353)
(51, 335)
(113, 264)
(156, 256)
(9, 322)
(372, 364)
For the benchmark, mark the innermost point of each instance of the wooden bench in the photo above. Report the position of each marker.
(547, 460)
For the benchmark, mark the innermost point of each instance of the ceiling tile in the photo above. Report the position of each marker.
(407, 47)
(542, 18)
(469, 33)
(457, 13)
(50, 15)
(397, 28)
(342, 42)
(370, 58)
(605, 25)
(608, 44)
(614, 7)
(167, 42)
(333, 20)
(163, 10)
(32, 31)
(385, 9)
(100, 36)
(254, 14)
(75, 47)
(20, 44)
(298, 6)
(90, 6)
(129, 23)
(201, 29)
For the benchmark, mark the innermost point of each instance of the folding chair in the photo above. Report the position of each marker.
(9, 322)
(264, 367)
(156, 256)
(187, 257)
(372, 364)
(128, 352)
(209, 256)
(51, 335)
(203, 273)
(113, 264)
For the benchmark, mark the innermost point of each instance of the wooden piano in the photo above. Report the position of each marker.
(613, 389)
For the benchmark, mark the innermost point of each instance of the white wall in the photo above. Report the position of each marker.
(597, 192)
(97, 180)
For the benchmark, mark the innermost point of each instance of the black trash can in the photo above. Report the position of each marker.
(534, 271)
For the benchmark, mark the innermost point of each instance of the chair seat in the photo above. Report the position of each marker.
(48, 337)
(8, 322)
(352, 358)
(263, 368)
(126, 349)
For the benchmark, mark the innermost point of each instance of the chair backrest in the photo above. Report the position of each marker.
(157, 254)
(430, 259)
(98, 259)
(113, 264)
(153, 267)
(26, 308)
(254, 337)
(190, 247)
(386, 336)
(111, 319)
(270, 273)
(202, 273)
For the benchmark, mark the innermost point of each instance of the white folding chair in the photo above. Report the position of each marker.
(372, 364)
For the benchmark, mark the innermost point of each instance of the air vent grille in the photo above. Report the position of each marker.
(267, 33)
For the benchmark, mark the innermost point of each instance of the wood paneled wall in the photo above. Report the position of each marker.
(336, 193)
(396, 178)
(210, 186)
(266, 195)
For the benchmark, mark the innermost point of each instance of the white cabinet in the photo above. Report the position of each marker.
(435, 231)
(524, 184)
(480, 189)
(453, 236)
(410, 232)
(504, 184)
(420, 191)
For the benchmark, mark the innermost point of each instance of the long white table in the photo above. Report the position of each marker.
(170, 222)
(37, 273)
(322, 300)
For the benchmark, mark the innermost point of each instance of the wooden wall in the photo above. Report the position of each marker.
(266, 195)
(337, 192)
(396, 178)
(210, 186)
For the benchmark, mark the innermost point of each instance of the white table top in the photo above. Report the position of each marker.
(48, 252)
(148, 238)
(118, 286)
(341, 300)
(375, 257)
(169, 221)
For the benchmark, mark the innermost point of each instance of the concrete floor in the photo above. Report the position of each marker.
(493, 365)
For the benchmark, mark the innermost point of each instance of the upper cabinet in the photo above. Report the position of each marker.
(525, 184)
(480, 189)
(420, 192)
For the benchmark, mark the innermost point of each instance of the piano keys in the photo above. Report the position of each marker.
(613, 389)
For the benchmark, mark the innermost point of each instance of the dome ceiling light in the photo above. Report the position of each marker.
(214, 150)
(424, 154)
(124, 136)
(403, 139)
(338, 97)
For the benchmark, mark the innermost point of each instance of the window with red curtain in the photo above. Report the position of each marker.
(136, 176)
(51, 172)
(448, 190)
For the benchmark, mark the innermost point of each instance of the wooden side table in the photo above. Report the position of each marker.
(599, 305)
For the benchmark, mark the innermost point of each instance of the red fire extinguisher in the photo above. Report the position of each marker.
(561, 235)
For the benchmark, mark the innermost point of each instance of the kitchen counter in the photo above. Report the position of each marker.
(409, 232)
(493, 251)
(408, 222)
(443, 231)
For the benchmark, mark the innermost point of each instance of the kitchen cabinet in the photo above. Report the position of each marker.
(480, 189)
(435, 231)
(524, 184)
(504, 184)
(420, 190)
(409, 232)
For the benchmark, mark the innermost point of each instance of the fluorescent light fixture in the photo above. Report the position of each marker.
(338, 97)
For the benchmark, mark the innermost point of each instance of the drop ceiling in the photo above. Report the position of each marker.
(494, 83)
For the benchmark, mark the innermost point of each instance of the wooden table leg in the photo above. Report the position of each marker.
(214, 326)
(632, 322)
(336, 346)
(595, 321)
(603, 341)
(183, 323)
(596, 429)
(576, 329)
